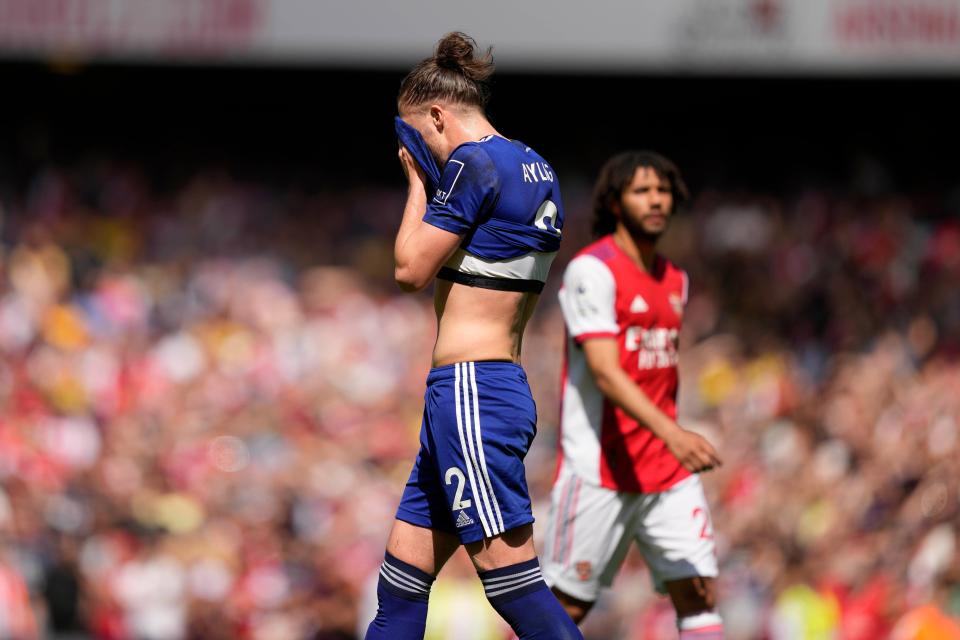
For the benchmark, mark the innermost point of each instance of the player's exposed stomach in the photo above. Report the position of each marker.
(479, 324)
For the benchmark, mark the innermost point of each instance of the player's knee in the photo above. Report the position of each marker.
(575, 608)
(692, 595)
(508, 548)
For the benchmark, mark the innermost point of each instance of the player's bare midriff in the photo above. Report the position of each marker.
(479, 324)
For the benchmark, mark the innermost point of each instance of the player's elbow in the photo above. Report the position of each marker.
(409, 280)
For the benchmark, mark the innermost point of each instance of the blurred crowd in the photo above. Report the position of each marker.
(210, 396)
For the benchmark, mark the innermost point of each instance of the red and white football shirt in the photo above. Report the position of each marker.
(605, 294)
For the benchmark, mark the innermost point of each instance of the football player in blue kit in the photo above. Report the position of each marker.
(486, 226)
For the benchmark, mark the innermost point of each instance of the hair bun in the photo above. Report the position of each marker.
(457, 71)
(458, 51)
(455, 50)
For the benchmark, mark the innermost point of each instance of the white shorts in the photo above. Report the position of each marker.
(590, 529)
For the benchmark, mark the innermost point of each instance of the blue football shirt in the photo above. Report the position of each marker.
(502, 196)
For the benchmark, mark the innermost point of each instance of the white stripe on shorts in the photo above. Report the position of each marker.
(467, 458)
(573, 522)
(555, 544)
(472, 446)
(483, 460)
(566, 518)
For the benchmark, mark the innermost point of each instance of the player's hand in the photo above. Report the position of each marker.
(693, 451)
(411, 169)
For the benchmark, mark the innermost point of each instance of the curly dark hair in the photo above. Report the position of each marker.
(617, 174)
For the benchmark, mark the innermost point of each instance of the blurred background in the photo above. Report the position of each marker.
(210, 388)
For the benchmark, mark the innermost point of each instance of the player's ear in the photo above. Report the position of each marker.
(438, 117)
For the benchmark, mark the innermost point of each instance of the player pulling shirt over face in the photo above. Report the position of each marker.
(479, 420)
(504, 199)
(488, 231)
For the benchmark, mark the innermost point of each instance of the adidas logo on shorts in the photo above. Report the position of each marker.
(463, 520)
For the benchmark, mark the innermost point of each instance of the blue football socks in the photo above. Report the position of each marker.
(522, 598)
(402, 594)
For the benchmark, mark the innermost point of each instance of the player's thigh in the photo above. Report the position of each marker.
(588, 534)
(426, 549)
(424, 533)
(675, 535)
(488, 424)
(451, 487)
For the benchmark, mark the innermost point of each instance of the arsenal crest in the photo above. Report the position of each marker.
(677, 303)
(584, 569)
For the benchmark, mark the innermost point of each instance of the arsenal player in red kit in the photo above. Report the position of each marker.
(627, 471)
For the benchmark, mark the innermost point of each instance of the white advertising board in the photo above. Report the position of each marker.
(601, 35)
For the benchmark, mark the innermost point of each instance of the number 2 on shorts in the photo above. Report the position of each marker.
(458, 502)
(706, 532)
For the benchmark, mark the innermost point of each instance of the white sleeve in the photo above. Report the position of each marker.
(588, 299)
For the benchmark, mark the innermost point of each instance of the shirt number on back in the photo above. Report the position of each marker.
(547, 218)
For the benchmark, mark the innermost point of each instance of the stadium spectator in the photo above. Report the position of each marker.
(180, 402)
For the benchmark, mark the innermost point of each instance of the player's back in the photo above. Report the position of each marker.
(505, 199)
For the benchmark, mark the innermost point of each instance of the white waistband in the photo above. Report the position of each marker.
(532, 266)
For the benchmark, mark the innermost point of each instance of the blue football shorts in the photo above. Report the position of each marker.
(479, 420)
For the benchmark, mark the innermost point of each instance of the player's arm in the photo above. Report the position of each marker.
(432, 230)
(588, 301)
(421, 248)
(693, 451)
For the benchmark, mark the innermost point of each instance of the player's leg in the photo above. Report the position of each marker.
(498, 422)
(589, 532)
(420, 543)
(577, 609)
(676, 539)
(413, 559)
(426, 549)
(508, 567)
(695, 601)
